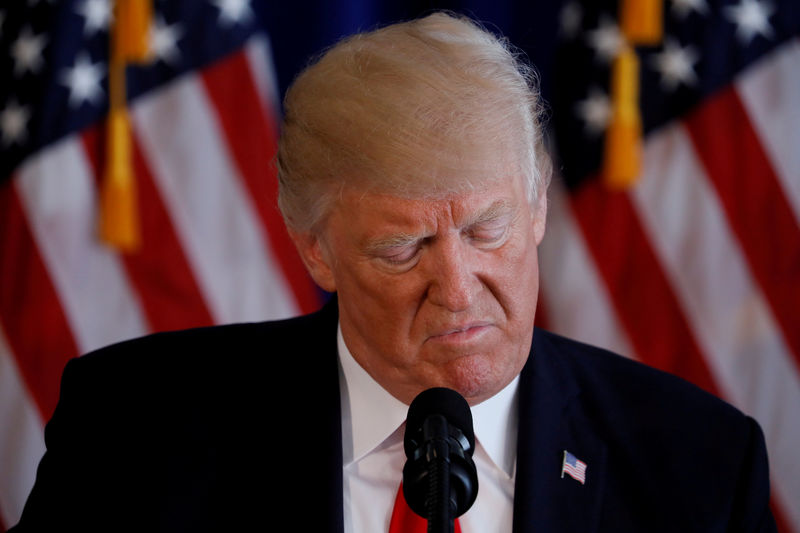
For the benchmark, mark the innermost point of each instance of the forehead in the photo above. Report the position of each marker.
(423, 167)
(372, 213)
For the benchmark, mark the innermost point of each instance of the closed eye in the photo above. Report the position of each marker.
(489, 234)
(399, 255)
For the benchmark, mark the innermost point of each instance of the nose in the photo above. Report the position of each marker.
(453, 280)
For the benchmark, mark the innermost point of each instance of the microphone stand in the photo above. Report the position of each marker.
(440, 512)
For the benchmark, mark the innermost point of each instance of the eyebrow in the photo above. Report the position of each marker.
(498, 209)
(392, 241)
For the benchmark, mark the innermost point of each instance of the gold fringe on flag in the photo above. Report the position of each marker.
(119, 221)
(622, 156)
(642, 21)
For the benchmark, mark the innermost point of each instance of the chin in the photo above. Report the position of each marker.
(475, 378)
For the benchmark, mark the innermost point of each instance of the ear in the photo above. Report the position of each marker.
(315, 259)
(540, 217)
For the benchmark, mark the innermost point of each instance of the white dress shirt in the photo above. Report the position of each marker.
(373, 425)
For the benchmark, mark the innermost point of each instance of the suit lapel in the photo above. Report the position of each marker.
(551, 420)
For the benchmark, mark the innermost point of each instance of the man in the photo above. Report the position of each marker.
(413, 182)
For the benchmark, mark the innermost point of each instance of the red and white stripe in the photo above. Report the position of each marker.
(697, 267)
(210, 235)
(730, 318)
(22, 442)
(576, 300)
(771, 97)
(59, 196)
(210, 207)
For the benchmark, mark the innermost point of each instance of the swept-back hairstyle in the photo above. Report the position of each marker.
(380, 108)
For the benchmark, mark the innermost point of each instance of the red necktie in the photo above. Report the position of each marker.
(404, 520)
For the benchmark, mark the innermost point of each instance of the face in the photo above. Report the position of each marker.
(434, 292)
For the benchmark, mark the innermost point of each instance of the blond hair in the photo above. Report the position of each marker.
(379, 107)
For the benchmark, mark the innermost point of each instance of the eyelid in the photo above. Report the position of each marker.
(390, 254)
(396, 252)
(490, 231)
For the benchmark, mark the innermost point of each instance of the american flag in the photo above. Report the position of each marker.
(213, 246)
(573, 467)
(695, 269)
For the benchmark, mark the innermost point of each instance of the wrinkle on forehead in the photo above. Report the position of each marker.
(441, 168)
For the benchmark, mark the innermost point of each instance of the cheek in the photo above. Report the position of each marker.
(388, 295)
(383, 306)
(528, 293)
(517, 279)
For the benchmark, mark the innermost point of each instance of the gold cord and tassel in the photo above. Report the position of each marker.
(641, 23)
(119, 214)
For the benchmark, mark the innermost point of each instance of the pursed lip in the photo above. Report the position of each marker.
(460, 333)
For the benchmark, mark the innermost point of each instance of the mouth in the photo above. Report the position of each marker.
(461, 334)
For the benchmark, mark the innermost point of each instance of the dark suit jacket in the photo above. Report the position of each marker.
(237, 428)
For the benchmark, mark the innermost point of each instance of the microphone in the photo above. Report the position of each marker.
(440, 481)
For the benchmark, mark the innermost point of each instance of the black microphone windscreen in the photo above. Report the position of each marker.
(439, 401)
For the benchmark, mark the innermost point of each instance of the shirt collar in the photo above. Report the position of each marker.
(376, 415)
(495, 424)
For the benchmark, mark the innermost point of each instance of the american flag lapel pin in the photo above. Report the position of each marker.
(574, 467)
